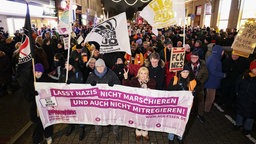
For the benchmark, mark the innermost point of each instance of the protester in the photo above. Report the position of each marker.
(156, 70)
(142, 80)
(200, 72)
(74, 76)
(39, 132)
(181, 82)
(246, 100)
(104, 75)
(214, 67)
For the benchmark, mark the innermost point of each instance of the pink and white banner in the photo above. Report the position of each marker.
(153, 110)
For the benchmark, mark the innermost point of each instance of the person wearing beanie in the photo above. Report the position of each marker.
(200, 72)
(39, 132)
(246, 100)
(39, 70)
(103, 75)
(183, 81)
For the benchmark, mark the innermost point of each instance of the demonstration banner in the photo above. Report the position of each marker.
(162, 13)
(153, 110)
(245, 41)
(111, 35)
(177, 59)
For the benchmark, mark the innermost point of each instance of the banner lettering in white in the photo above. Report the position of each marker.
(154, 110)
(111, 35)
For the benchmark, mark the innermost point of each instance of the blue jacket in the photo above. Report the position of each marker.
(214, 67)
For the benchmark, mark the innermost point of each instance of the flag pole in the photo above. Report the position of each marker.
(69, 36)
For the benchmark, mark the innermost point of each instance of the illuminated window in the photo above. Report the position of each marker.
(247, 11)
(224, 10)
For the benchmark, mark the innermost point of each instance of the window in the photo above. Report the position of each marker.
(247, 11)
(224, 9)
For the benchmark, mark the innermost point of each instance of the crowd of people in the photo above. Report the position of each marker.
(208, 69)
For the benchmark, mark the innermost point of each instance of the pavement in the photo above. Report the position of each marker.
(16, 128)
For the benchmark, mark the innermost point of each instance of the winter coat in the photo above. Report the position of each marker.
(157, 73)
(109, 78)
(201, 76)
(5, 69)
(73, 76)
(179, 83)
(246, 95)
(214, 67)
(134, 82)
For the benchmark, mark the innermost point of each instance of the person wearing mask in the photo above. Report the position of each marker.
(142, 80)
(246, 100)
(103, 75)
(214, 66)
(182, 82)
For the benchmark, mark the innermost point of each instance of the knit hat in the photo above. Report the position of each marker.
(100, 62)
(39, 67)
(186, 67)
(168, 41)
(253, 65)
(195, 52)
(78, 46)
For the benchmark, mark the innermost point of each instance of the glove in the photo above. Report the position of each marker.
(68, 82)
(110, 84)
(93, 83)
(36, 93)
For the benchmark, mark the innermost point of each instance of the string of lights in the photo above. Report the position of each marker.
(131, 4)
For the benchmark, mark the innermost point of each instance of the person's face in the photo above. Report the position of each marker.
(100, 69)
(169, 46)
(145, 46)
(197, 44)
(38, 74)
(179, 44)
(254, 71)
(96, 53)
(79, 50)
(92, 64)
(143, 75)
(119, 61)
(59, 45)
(154, 62)
(234, 57)
(68, 67)
(184, 74)
(194, 58)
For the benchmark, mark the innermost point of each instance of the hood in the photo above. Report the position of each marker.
(217, 50)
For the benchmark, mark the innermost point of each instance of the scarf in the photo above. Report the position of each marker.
(100, 75)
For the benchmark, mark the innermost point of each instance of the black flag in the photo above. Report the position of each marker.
(25, 75)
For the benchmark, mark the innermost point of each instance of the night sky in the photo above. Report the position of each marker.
(117, 8)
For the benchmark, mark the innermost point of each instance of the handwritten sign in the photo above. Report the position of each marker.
(245, 40)
(177, 59)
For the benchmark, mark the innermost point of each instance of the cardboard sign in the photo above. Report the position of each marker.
(177, 59)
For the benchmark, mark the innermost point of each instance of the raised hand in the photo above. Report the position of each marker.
(126, 73)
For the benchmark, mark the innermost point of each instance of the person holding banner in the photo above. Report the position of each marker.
(183, 81)
(142, 80)
(104, 75)
(39, 131)
(74, 76)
